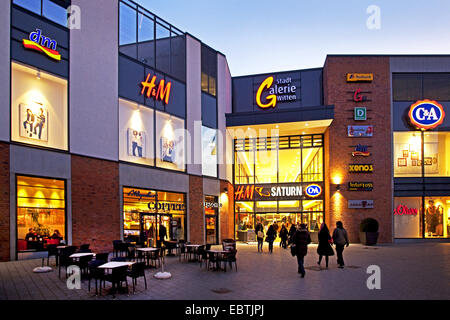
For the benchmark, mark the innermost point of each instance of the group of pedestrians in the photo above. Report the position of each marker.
(299, 239)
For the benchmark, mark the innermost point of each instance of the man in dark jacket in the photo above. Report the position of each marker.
(340, 239)
(301, 239)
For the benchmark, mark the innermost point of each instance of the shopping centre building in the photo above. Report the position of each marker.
(117, 123)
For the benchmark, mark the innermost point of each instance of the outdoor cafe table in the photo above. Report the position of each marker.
(115, 264)
(81, 254)
(217, 254)
(192, 248)
(147, 252)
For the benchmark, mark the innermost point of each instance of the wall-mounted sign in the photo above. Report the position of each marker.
(266, 192)
(212, 205)
(359, 77)
(313, 190)
(360, 168)
(360, 186)
(140, 195)
(283, 91)
(426, 114)
(360, 204)
(360, 131)
(38, 42)
(161, 93)
(360, 114)
(359, 96)
(404, 210)
(162, 206)
(361, 151)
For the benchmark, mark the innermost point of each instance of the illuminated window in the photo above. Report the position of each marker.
(407, 154)
(437, 217)
(437, 154)
(145, 211)
(209, 152)
(39, 114)
(407, 217)
(41, 210)
(211, 219)
(170, 152)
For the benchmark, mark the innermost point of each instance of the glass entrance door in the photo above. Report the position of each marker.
(154, 227)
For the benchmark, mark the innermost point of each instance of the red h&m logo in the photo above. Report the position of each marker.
(161, 93)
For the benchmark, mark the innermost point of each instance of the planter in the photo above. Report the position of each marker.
(368, 238)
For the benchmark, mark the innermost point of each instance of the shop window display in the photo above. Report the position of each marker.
(41, 213)
(209, 152)
(437, 212)
(39, 114)
(170, 142)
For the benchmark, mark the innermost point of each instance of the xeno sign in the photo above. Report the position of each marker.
(283, 91)
(426, 114)
(36, 41)
(313, 190)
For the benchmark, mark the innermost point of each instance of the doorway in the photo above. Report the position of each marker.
(151, 226)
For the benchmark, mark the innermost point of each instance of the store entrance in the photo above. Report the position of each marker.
(278, 219)
(153, 227)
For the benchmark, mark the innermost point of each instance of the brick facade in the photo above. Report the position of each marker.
(226, 218)
(95, 203)
(196, 210)
(4, 203)
(337, 92)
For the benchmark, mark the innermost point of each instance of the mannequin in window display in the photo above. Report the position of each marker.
(440, 218)
(432, 218)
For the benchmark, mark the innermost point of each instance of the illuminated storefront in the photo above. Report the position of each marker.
(146, 213)
(273, 177)
(41, 211)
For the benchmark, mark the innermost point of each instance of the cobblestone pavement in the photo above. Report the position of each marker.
(408, 271)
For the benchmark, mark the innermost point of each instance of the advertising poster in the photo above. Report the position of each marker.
(167, 150)
(136, 143)
(33, 121)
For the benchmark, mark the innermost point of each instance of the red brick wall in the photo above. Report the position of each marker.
(4, 202)
(196, 210)
(339, 151)
(95, 203)
(226, 219)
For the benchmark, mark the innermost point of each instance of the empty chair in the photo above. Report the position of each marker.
(117, 277)
(82, 263)
(228, 244)
(84, 248)
(137, 271)
(203, 256)
(230, 258)
(64, 259)
(182, 250)
(95, 273)
(156, 257)
(102, 257)
(131, 253)
(116, 247)
(123, 249)
(52, 251)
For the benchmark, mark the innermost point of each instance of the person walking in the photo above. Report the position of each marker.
(270, 237)
(291, 232)
(340, 239)
(283, 236)
(259, 229)
(324, 248)
(300, 241)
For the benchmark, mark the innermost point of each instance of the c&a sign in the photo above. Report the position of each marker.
(284, 90)
(426, 114)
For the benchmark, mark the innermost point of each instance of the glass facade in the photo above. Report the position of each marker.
(39, 112)
(422, 217)
(277, 161)
(55, 11)
(41, 212)
(148, 214)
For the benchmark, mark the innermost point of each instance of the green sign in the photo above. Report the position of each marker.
(360, 114)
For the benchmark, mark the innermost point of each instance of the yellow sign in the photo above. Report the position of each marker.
(271, 98)
(359, 77)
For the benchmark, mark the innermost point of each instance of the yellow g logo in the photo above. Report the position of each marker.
(271, 98)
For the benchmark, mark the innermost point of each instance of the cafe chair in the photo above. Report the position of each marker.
(228, 244)
(182, 249)
(118, 259)
(202, 256)
(116, 247)
(117, 277)
(84, 248)
(102, 257)
(156, 257)
(95, 273)
(214, 260)
(64, 259)
(52, 251)
(83, 263)
(230, 258)
(137, 271)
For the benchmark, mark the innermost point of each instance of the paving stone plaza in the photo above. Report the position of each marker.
(408, 271)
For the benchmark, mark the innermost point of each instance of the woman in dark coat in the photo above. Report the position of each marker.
(283, 236)
(270, 237)
(291, 232)
(301, 239)
(324, 248)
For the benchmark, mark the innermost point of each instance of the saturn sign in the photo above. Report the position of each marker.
(313, 190)
(426, 114)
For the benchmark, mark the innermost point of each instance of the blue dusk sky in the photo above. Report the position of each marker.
(259, 36)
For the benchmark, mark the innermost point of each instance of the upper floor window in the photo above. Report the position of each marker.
(417, 86)
(149, 39)
(54, 10)
(209, 70)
